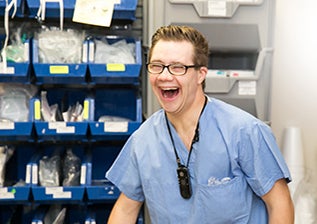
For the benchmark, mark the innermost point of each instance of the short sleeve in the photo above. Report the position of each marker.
(124, 172)
(261, 159)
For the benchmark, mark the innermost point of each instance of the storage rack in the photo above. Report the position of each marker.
(101, 91)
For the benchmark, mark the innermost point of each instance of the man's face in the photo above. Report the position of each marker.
(175, 94)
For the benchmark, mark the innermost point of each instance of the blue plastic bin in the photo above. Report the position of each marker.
(98, 162)
(121, 104)
(58, 73)
(74, 213)
(18, 131)
(16, 213)
(125, 10)
(18, 72)
(17, 169)
(52, 8)
(115, 73)
(20, 8)
(69, 194)
(61, 130)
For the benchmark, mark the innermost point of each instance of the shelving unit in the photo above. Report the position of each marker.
(105, 91)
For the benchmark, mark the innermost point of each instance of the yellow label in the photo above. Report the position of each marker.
(59, 69)
(37, 110)
(86, 110)
(115, 67)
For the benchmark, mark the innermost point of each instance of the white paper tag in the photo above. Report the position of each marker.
(28, 174)
(83, 174)
(7, 125)
(61, 127)
(34, 174)
(65, 130)
(247, 88)
(94, 12)
(114, 126)
(217, 8)
(6, 70)
(58, 192)
(5, 194)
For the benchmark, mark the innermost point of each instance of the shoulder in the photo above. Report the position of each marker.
(150, 128)
(230, 113)
(231, 119)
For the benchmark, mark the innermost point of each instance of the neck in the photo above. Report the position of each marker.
(188, 117)
(186, 122)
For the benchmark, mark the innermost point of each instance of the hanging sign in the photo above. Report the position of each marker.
(94, 12)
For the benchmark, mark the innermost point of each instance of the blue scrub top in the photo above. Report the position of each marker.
(234, 163)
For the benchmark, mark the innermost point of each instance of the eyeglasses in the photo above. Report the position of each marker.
(174, 69)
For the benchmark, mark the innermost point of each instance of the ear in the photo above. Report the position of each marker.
(202, 74)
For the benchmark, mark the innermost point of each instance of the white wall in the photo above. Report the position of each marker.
(294, 75)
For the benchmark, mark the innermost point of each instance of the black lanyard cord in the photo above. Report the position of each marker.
(183, 171)
(195, 139)
(170, 134)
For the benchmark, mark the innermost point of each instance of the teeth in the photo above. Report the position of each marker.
(169, 92)
(166, 89)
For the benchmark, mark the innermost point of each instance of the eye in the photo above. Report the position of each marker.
(177, 68)
(156, 67)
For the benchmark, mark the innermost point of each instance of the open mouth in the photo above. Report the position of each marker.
(170, 93)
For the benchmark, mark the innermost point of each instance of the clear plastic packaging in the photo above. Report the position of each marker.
(119, 52)
(14, 102)
(15, 51)
(49, 171)
(56, 46)
(71, 169)
(5, 154)
(305, 201)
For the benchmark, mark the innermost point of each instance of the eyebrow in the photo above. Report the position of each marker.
(172, 63)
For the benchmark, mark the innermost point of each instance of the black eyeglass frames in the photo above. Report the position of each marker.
(174, 69)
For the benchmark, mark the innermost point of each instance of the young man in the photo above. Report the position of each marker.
(197, 160)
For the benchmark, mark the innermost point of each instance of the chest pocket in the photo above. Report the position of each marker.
(225, 203)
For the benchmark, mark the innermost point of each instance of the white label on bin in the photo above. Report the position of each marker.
(56, 125)
(91, 52)
(114, 126)
(7, 125)
(83, 174)
(6, 70)
(85, 52)
(28, 174)
(34, 174)
(247, 88)
(217, 8)
(61, 127)
(26, 51)
(58, 192)
(68, 129)
(4, 194)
